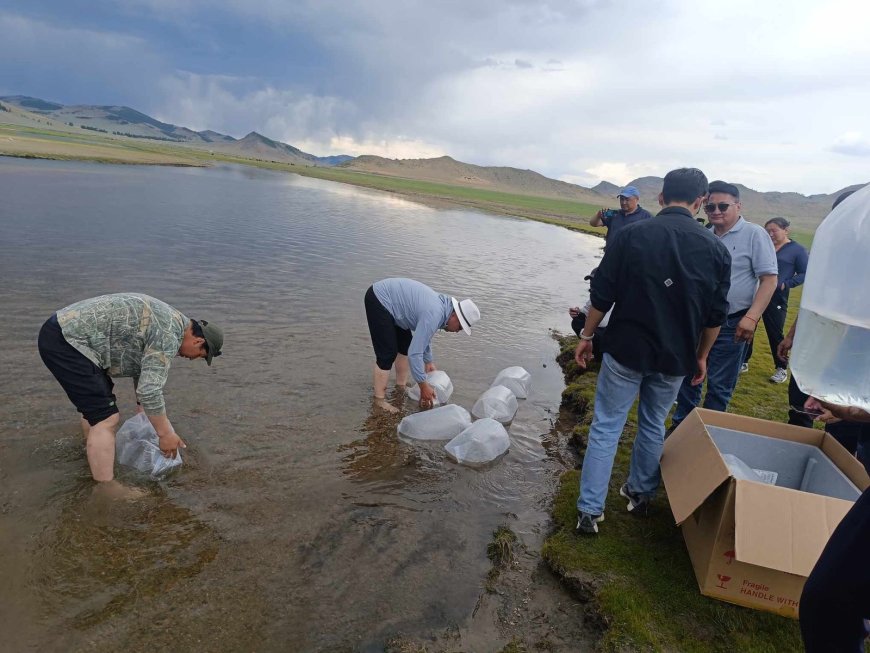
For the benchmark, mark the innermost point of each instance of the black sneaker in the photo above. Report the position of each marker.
(588, 524)
(637, 505)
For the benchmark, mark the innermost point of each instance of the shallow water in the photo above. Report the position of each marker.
(299, 520)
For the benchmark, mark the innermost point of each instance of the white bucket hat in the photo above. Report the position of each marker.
(467, 312)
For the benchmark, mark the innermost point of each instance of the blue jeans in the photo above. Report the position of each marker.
(723, 369)
(617, 388)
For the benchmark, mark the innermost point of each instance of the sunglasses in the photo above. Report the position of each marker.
(722, 206)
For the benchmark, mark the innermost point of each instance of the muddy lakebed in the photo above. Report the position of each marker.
(299, 520)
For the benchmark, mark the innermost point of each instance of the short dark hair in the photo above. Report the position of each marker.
(720, 186)
(782, 223)
(841, 198)
(684, 185)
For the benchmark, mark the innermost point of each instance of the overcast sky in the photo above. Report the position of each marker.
(775, 95)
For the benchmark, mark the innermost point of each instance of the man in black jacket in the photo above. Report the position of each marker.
(667, 280)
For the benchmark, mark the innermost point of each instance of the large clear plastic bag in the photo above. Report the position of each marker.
(483, 441)
(498, 403)
(440, 423)
(137, 446)
(516, 379)
(831, 353)
(440, 382)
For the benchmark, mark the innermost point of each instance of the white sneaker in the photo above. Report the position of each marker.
(780, 376)
(744, 368)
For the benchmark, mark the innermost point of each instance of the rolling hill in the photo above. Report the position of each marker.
(120, 122)
(446, 170)
(129, 123)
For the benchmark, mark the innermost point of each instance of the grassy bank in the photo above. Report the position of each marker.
(30, 142)
(636, 576)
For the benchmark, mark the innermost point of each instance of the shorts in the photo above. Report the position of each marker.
(388, 339)
(88, 387)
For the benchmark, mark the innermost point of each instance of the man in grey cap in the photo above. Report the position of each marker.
(629, 212)
(87, 344)
(403, 315)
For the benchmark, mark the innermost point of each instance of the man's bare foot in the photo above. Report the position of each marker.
(383, 404)
(115, 491)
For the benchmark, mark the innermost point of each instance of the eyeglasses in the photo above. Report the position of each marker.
(722, 206)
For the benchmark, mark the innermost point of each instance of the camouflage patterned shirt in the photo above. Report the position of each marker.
(127, 334)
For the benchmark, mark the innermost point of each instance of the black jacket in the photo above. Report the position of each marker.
(668, 278)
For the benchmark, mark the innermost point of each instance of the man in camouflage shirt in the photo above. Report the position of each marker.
(88, 343)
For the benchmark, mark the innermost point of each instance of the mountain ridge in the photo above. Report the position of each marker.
(805, 211)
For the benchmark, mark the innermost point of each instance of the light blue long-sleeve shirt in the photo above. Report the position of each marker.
(419, 309)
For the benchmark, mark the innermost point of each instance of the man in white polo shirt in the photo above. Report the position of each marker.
(753, 281)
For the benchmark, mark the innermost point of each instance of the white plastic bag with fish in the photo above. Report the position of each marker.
(440, 423)
(516, 379)
(498, 403)
(483, 441)
(440, 382)
(137, 446)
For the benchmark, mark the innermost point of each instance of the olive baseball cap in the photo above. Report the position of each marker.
(214, 338)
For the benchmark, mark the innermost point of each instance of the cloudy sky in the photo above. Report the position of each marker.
(772, 94)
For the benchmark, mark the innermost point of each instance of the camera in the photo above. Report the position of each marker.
(609, 213)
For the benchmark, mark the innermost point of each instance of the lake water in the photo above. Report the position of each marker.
(299, 521)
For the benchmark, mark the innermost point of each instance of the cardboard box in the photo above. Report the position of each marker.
(750, 542)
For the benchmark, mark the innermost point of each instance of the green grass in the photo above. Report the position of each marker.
(642, 583)
(802, 236)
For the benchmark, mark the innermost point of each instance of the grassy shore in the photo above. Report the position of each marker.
(30, 142)
(636, 576)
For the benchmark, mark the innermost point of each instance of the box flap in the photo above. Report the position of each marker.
(846, 462)
(783, 529)
(764, 427)
(692, 467)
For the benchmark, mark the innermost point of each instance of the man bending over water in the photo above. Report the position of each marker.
(403, 315)
(87, 344)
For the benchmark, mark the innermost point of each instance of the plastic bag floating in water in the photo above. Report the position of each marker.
(137, 446)
(440, 382)
(483, 441)
(440, 423)
(498, 403)
(516, 379)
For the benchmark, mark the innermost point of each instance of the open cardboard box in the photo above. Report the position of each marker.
(750, 542)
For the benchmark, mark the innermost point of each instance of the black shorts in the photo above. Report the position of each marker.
(388, 339)
(87, 386)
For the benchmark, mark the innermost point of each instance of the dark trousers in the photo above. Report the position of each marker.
(836, 597)
(774, 322)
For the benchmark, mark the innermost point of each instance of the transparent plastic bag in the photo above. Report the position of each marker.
(739, 469)
(137, 446)
(440, 423)
(483, 441)
(516, 379)
(440, 382)
(831, 354)
(497, 403)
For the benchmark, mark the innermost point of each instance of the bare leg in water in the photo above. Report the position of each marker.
(380, 380)
(100, 447)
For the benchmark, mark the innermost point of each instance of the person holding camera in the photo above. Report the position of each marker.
(628, 213)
